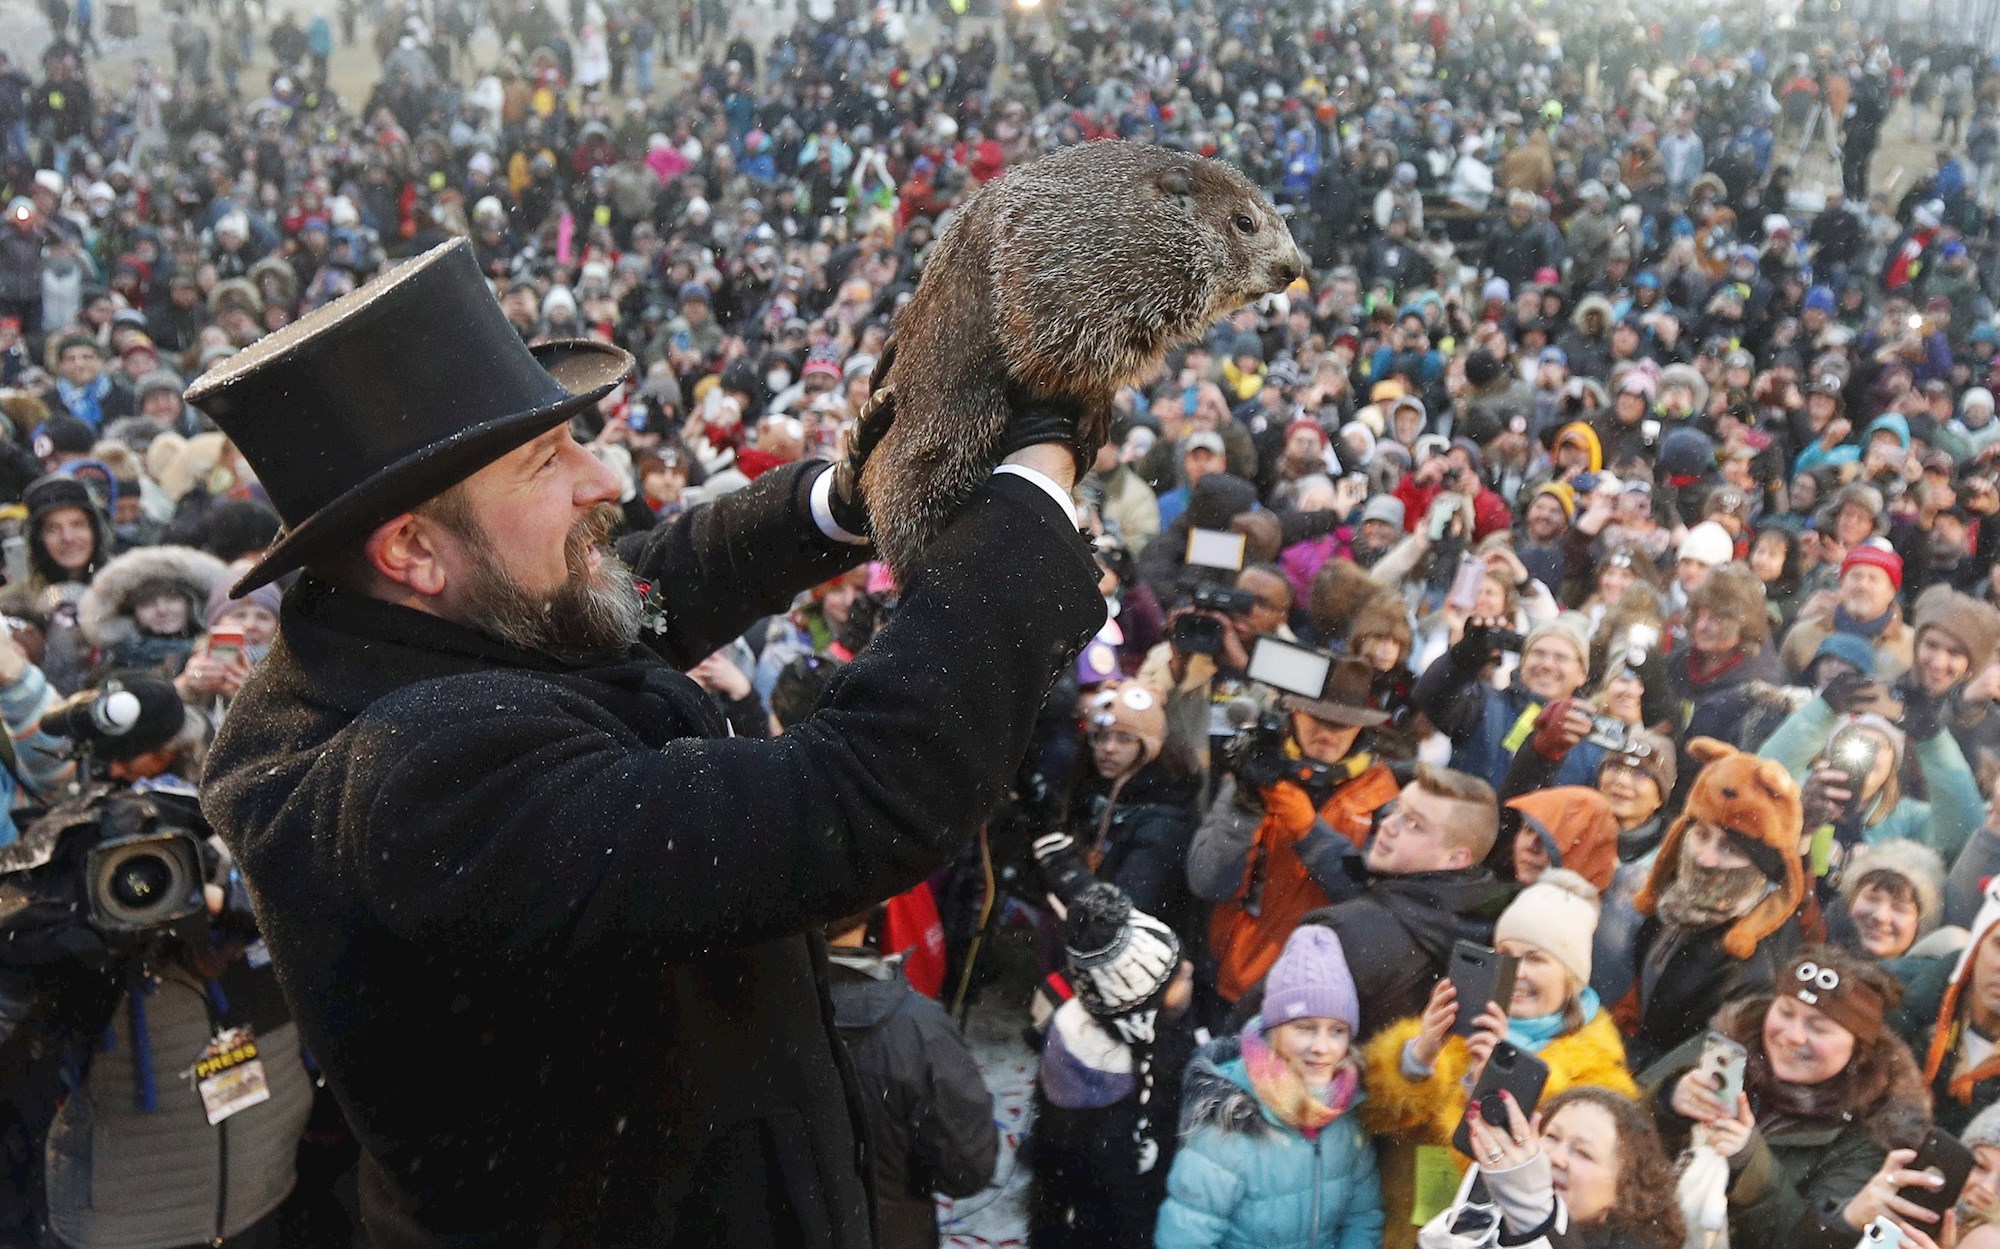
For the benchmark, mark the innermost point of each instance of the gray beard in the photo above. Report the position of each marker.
(593, 615)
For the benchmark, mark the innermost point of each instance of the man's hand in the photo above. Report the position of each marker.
(1038, 425)
(1846, 692)
(1477, 647)
(719, 673)
(1562, 724)
(850, 510)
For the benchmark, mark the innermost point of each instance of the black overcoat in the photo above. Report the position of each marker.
(542, 926)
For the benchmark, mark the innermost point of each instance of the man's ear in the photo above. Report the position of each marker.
(405, 552)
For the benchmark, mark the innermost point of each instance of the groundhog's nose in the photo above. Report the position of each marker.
(1293, 268)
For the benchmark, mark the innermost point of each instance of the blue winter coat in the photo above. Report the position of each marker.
(1243, 1180)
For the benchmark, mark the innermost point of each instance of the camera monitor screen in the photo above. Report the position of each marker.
(1215, 548)
(1294, 669)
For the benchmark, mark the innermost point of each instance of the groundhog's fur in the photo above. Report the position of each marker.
(1067, 278)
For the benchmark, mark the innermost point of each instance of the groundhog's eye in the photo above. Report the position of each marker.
(1244, 224)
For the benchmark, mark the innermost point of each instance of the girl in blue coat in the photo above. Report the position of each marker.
(1273, 1155)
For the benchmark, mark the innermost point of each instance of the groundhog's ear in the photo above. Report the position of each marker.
(1176, 183)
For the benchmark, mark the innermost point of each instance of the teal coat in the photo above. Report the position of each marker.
(1944, 823)
(1243, 1180)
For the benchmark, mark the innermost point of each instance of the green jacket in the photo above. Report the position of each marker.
(1790, 1185)
(1944, 823)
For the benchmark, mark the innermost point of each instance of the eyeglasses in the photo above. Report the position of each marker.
(1113, 737)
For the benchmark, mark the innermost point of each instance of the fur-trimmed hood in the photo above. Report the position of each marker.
(105, 613)
(1216, 1092)
(1211, 1098)
(1895, 1103)
(1589, 304)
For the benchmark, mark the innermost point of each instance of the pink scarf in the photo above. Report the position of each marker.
(1286, 1094)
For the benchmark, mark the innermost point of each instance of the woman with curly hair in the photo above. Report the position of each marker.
(1588, 1172)
(1828, 1092)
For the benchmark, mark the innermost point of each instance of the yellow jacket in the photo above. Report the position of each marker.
(1408, 1113)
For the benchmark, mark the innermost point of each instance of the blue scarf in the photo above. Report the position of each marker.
(1532, 1034)
(85, 403)
(1869, 629)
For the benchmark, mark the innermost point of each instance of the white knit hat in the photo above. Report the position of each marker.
(1558, 913)
(1708, 542)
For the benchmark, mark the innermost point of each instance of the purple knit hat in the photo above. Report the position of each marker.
(1310, 980)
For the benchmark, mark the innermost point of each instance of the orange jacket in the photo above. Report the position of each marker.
(1275, 885)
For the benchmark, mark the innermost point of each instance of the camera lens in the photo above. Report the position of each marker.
(141, 880)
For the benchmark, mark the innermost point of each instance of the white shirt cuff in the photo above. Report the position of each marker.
(1045, 484)
(821, 501)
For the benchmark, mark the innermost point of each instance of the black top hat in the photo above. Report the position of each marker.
(1344, 698)
(389, 396)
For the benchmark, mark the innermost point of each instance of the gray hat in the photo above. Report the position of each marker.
(1204, 440)
(1983, 1130)
(1385, 507)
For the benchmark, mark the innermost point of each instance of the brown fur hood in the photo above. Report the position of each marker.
(1886, 1094)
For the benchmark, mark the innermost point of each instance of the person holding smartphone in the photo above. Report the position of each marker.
(1419, 1070)
(1828, 1091)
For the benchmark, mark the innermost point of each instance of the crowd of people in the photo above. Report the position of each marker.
(1635, 504)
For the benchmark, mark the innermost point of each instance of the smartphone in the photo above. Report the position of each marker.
(1479, 976)
(1465, 586)
(225, 645)
(1882, 1234)
(1723, 1059)
(1853, 754)
(1511, 1070)
(1945, 1154)
(15, 549)
(635, 417)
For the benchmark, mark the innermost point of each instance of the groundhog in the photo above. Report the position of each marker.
(1063, 281)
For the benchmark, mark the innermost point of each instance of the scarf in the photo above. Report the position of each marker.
(1702, 670)
(85, 403)
(1702, 897)
(1635, 844)
(1305, 1108)
(1870, 629)
(1780, 1106)
(1532, 1034)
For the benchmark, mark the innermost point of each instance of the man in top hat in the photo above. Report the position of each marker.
(543, 925)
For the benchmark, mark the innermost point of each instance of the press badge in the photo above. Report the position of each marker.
(229, 1075)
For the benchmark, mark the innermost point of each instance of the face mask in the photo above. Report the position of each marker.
(777, 379)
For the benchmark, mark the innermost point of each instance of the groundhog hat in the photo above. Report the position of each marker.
(1756, 802)
(390, 395)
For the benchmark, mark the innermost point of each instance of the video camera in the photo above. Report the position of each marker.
(1257, 756)
(1211, 554)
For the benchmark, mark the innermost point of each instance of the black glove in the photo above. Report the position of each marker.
(1034, 419)
(1477, 646)
(850, 510)
(1923, 714)
(1065, 873)
(1844, 691)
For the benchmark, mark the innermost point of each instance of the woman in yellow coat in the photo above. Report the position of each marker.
(1419, 1075)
